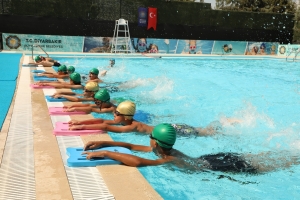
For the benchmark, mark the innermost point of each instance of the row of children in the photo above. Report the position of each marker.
(162, 136)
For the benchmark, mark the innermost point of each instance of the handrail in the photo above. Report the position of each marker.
(40, 48)
(289, 55)
(295, 58)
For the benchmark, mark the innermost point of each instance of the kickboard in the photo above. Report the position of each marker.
(62, 128)
(60, 111)
(40, 86)
(41, 78)
(38, 71)
(142, 116)
(76, 159)
(51, 99)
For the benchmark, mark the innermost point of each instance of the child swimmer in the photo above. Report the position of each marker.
(162, 140)
(123, 115)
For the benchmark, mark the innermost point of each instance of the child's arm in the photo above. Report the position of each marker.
(98, 144)
(62, 85)
(63, 93)
(70, 98)
(79, 105)
(87, 110)
(105, 126)
(74, 98)
(89, 121)
(127, 159)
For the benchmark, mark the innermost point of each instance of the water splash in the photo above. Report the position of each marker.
(248, 116)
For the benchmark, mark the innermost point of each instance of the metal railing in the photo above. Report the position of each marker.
(295, 52)
(40, 48)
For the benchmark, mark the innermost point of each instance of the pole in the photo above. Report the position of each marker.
(120, 9)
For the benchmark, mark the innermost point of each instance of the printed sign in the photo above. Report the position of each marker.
(143, 16)
(49, 43)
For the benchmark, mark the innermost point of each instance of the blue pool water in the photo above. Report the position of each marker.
(8, 78)
(263, 94)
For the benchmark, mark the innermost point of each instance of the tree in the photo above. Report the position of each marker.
(269, 6)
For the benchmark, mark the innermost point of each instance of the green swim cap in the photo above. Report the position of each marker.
(94, 71)
(102, 95)
(71, 69)
(62, 68)
(165, 135)
(37, 58)
(75, 77)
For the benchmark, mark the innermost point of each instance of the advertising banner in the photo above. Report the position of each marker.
(143, 16)
(289, 51)
(49, 43)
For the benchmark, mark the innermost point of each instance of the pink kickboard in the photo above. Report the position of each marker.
(34, 86)
(62, 129)
(60, 111)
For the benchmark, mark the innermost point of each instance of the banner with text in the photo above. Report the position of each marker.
(49, 43)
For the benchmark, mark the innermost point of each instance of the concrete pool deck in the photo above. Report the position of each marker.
(49, 176)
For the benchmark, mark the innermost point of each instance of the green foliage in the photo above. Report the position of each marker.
(268, 6)
(296, 36)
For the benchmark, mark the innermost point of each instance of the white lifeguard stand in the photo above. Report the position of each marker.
(121, 40)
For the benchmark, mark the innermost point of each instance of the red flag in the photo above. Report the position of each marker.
(152, 18)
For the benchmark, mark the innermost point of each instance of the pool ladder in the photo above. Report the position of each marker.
(296, 51)
(40, 48)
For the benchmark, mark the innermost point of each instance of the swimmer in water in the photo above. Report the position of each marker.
(62, 72)
(88, 94)
(93, 76)
(75, 82)
(102, 104)
(46, 62)
(162, 140)
(112, 62)
(123, 115)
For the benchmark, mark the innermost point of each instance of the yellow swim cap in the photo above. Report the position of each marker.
(126, 108)
(92, 86)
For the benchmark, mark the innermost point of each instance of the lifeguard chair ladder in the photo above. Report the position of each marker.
(121, 42)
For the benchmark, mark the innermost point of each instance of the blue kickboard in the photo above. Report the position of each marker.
(41, 78)
(37, 71)
(142, 116)
(76, 159)
(51, 99)
(36, 76)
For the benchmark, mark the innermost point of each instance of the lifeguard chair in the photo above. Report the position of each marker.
(121, 42)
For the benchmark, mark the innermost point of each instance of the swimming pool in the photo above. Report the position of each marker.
(8, 77)
(264, 94)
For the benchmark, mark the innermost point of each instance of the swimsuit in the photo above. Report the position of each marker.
(57, 64)
(187, 130)
(227, 162)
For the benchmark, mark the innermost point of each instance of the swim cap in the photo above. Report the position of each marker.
(126, 108)
(102, 95)
(165, 135)
(37, 58)
(71, 69)
(62, 68)
(92, 86)
(75, 77)
(94, 71)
